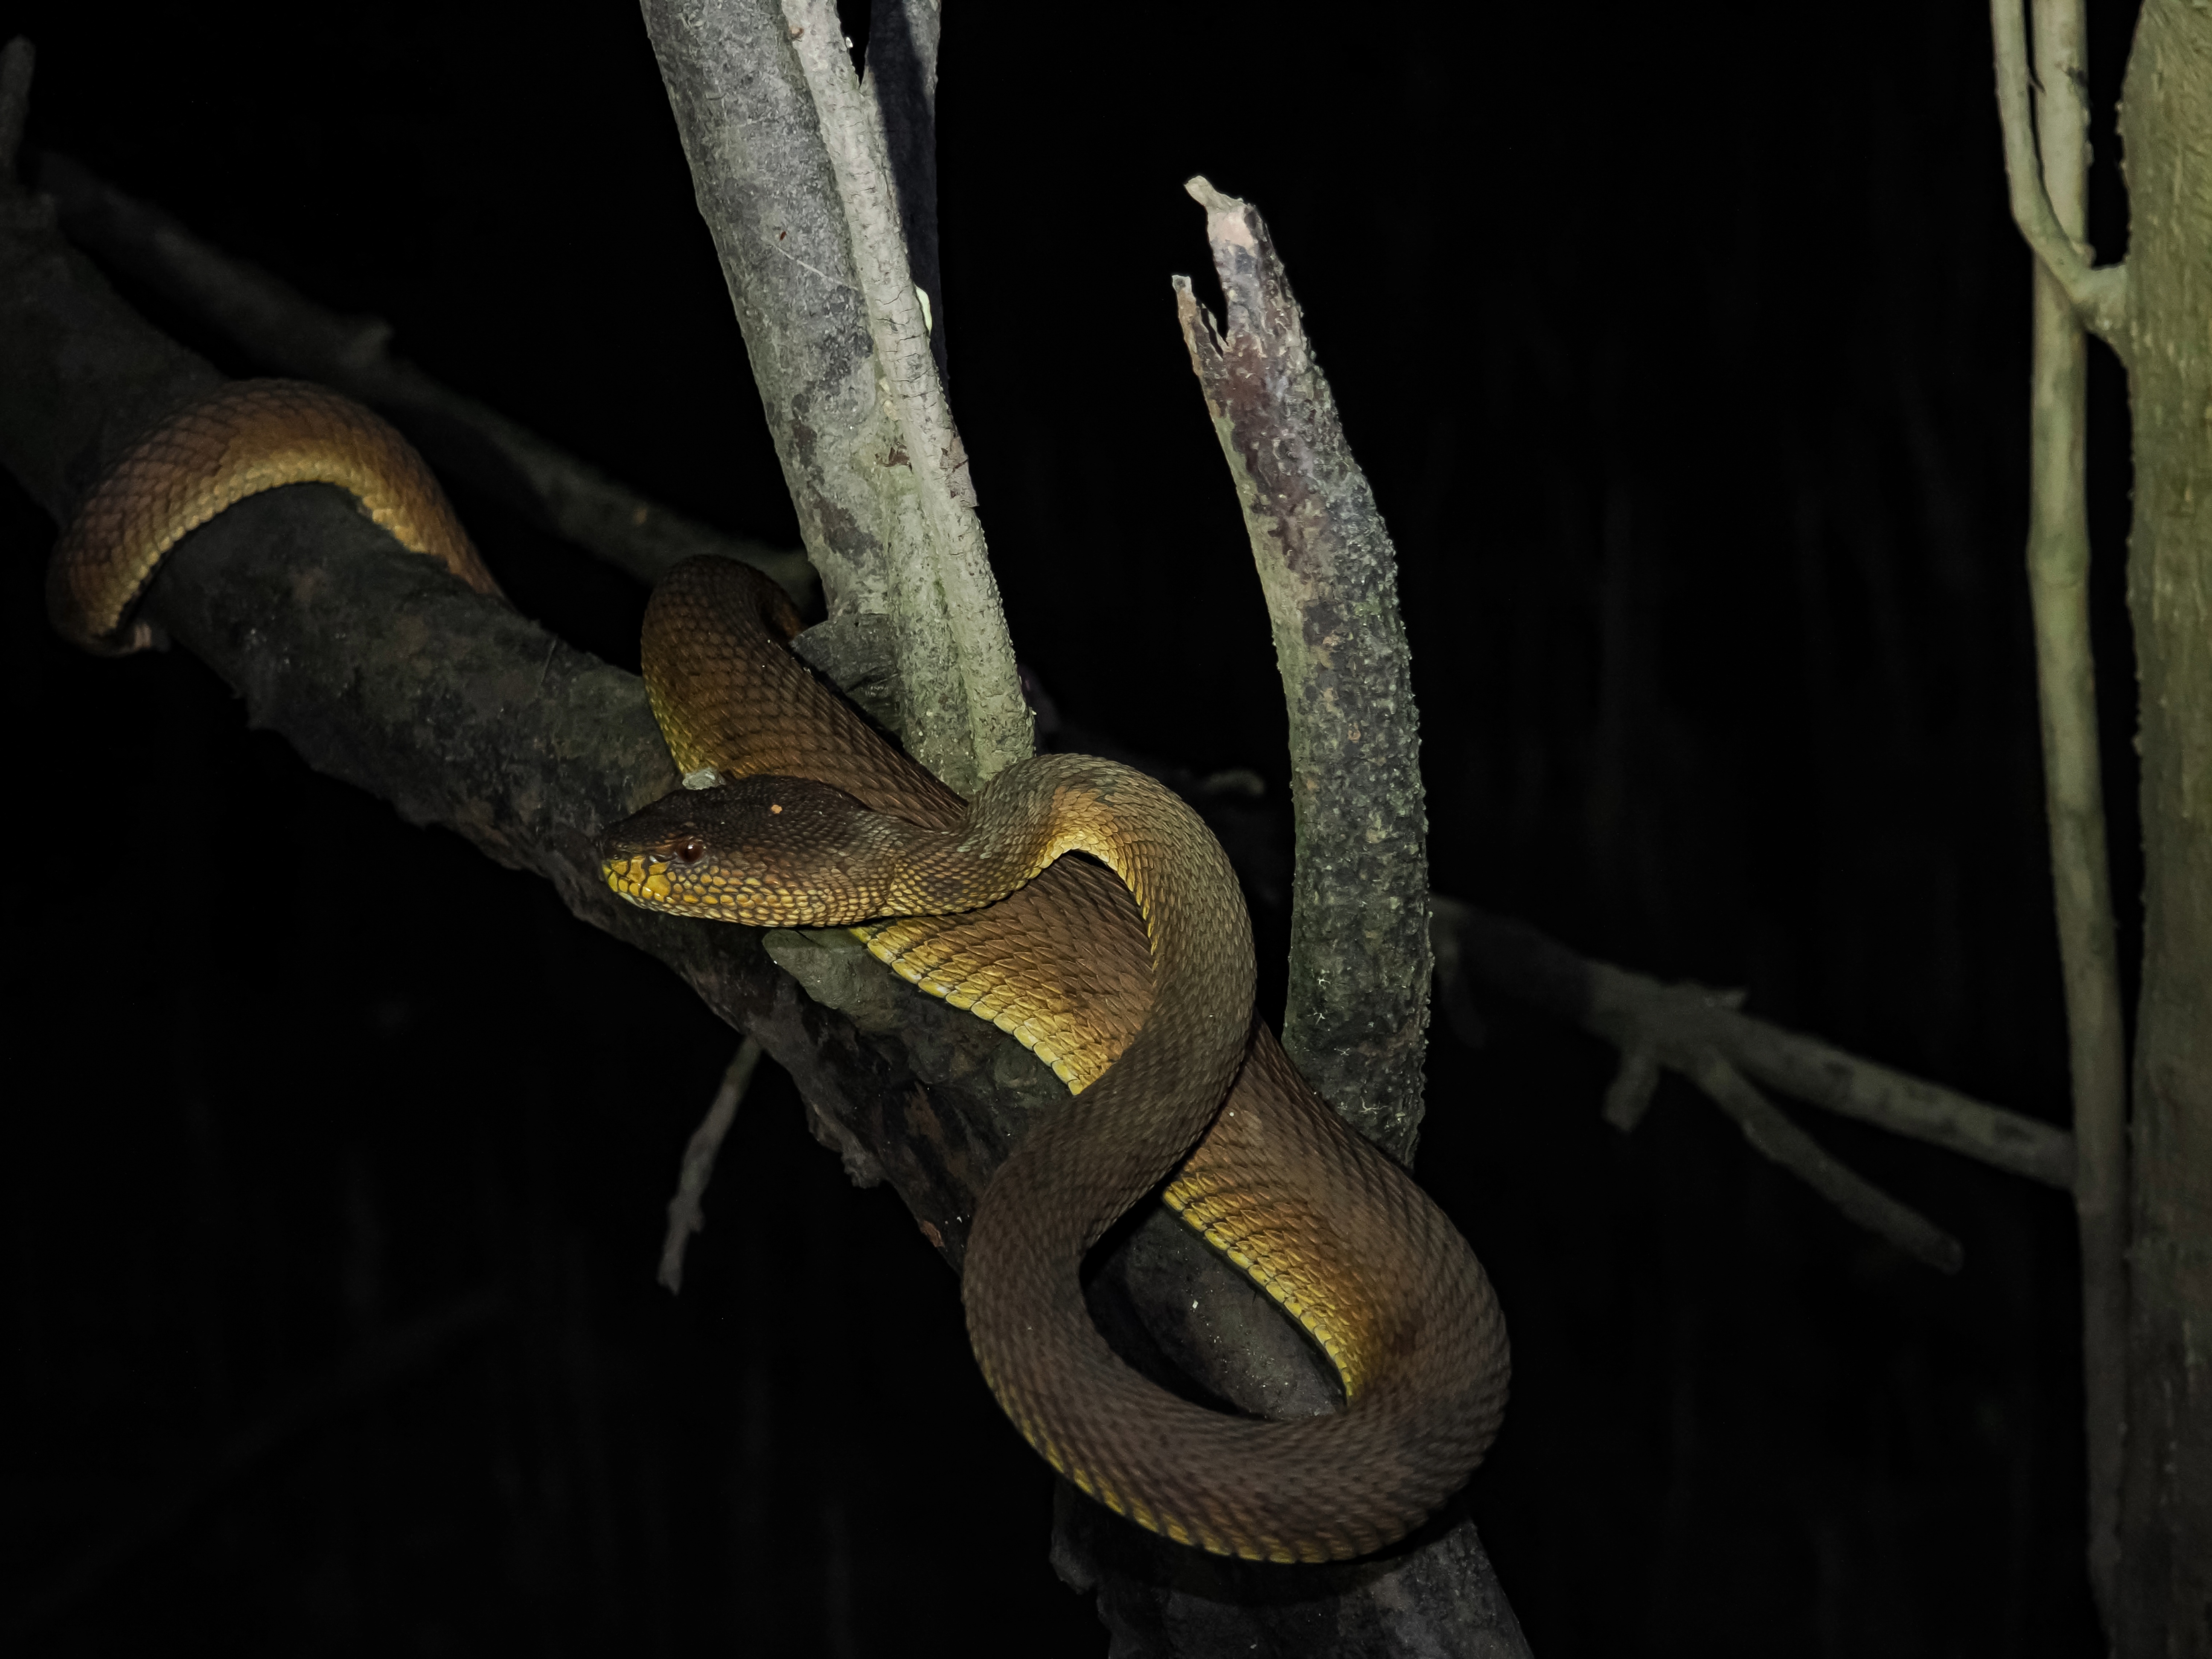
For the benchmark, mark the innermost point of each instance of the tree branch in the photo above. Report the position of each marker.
(1690, 1029)
(1357, 1019)
(966, 719)
(1774, 1136)
(2099, 295)
(793, 178)
(287, 333)
(2066, 682)
(902, 84)
(766, 189)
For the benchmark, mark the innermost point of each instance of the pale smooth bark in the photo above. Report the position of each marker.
(2081, 876)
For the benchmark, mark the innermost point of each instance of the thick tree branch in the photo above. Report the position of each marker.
(1358, 1018)
(902, 83)
(2099, 295)
(766, 191)
(2165, 1577)
(1687, 1027)
(815, 258)
(289, 334)
(965, 716)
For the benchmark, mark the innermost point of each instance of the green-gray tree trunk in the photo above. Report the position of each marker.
(2165, 1604)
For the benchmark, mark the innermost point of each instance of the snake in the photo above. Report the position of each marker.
(1079, 905)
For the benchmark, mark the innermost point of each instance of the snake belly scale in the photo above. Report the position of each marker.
(1130, 976)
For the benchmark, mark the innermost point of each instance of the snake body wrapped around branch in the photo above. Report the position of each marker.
(1130, 976)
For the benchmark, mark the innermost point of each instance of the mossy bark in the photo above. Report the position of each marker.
(2166, 1522)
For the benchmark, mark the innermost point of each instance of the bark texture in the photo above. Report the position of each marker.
(2073, 793)
(792, 162)
(770, 199)
(1357, 1023)
(963, 715)
(2165, 1525)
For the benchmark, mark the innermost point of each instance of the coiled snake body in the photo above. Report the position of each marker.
(1135, 986)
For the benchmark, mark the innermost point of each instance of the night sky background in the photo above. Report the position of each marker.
(1688, 363)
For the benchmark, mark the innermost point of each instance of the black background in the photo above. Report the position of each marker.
(1687, 360)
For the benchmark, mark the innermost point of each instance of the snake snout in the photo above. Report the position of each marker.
(769, 852)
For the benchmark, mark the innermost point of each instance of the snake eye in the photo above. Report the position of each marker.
(691, 850)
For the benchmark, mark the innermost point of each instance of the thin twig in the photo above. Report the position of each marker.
(2099, 295)
(901, 84)
(284, 329)
(685, 1213)
(1357, 1023)
(1773, 1134)
(17, 60)
(1700, 1033)
(966, 719)
(2058, 589)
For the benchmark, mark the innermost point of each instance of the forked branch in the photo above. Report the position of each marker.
(2099, 295)
(1702, 1034)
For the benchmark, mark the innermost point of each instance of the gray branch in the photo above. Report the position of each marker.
(792, 171)
(2081, 873)
(1700, 1034)
(1772, 1135)
(766, 191)
(1357, 1019)
(901, 80)
(2099, 295)
(965, 715)
(287, 333)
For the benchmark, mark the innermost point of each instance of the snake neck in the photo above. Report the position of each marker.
(1031, 814)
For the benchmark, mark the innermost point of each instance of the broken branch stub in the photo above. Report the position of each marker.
(1358, 1018)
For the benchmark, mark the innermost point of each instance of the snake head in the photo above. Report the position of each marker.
(769, 852)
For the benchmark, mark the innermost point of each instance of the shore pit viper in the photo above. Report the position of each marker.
(1131, 977)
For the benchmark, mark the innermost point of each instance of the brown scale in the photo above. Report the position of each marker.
(1325, 1224)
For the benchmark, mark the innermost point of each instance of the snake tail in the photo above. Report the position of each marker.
(246, 437)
